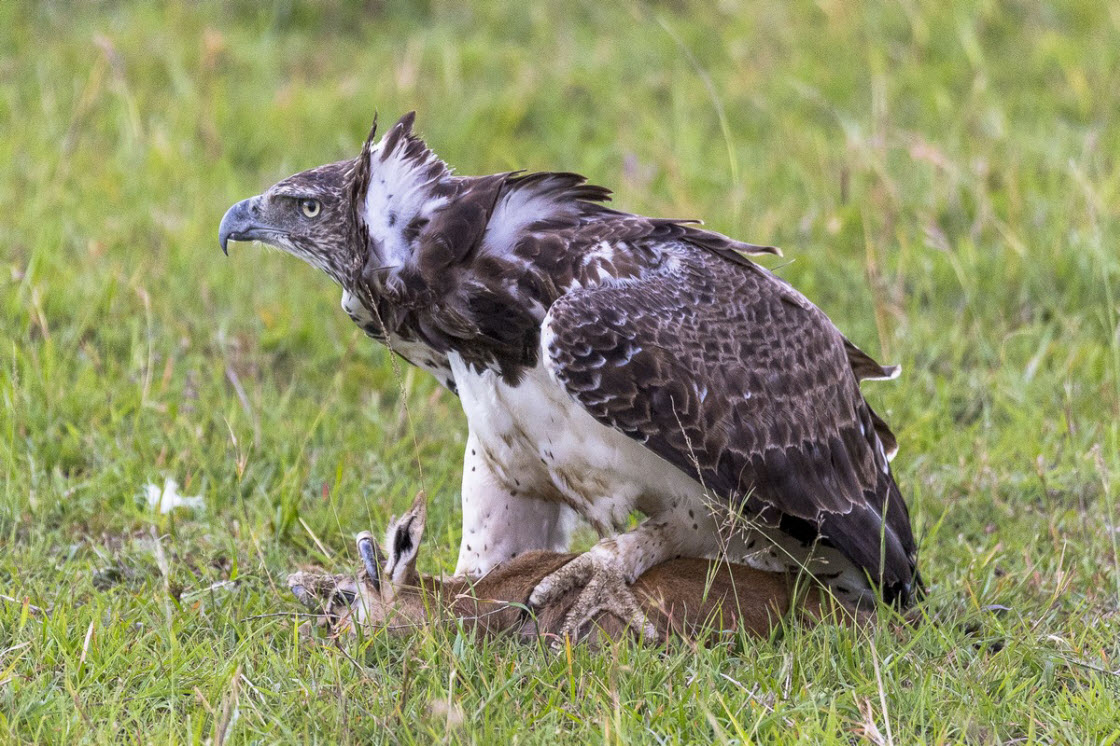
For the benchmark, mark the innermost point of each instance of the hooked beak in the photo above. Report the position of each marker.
(239, 224)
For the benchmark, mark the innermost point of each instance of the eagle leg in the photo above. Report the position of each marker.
(605, 590)
(500, 523)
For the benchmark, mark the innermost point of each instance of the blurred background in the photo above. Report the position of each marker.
(942, 177)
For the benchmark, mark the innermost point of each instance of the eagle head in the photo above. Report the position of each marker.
(307, 215)
(349, 215)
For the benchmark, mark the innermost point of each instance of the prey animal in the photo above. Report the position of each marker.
(607, 363)
(691, 599)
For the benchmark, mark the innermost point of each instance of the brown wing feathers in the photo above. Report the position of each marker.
(713, 369)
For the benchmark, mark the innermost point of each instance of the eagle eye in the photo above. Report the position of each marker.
(310, 207)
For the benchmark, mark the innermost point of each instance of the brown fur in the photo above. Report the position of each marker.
(685, 598)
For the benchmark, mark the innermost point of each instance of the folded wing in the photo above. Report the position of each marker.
(728, 373)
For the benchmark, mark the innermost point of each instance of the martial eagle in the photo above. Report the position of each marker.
(607, 363)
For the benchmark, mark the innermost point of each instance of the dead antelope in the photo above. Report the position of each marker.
(688, 598)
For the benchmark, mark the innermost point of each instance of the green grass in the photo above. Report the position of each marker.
(943, 177)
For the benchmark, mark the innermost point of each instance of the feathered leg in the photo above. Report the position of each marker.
(499, 524)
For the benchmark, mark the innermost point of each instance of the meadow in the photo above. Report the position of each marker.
(943, 176)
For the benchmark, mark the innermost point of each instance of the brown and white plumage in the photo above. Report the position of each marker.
(607, 363)
(734, 378)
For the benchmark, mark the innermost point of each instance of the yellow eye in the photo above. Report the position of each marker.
(310, 207)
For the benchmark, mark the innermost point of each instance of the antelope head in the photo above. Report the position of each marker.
(384, 593)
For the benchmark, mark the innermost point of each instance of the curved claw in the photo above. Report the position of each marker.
(605, 590)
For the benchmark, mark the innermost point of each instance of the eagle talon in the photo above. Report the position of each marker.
(605, 591)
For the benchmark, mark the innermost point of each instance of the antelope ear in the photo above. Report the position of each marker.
(372, 559)
(403, 539)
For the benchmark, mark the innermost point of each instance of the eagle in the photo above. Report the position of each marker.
(607, 363)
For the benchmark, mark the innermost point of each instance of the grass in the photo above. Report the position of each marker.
(942, 175)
